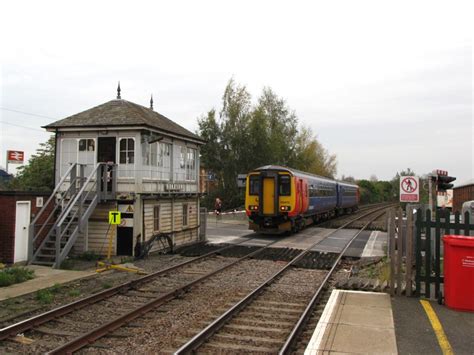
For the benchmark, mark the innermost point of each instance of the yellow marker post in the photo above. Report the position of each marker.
(114, 220)
(438, 328)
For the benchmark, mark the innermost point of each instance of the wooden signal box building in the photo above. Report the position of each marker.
(126, 157)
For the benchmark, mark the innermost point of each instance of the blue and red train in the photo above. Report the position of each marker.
(280, 199)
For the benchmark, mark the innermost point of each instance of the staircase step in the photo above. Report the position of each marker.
(39, 262)
(46, 256)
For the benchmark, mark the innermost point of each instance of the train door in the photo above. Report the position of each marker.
(269, 195)
(300, 195)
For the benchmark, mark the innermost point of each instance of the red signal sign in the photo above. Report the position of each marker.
(15, 156)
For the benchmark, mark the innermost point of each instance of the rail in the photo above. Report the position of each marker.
(212, 328)
(40, 319)
(292, 338)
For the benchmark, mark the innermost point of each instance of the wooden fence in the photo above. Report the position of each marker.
(415, 249)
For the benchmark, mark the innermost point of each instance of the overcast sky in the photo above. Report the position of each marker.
(384, 87)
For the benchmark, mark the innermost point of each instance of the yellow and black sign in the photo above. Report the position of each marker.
(114, 217)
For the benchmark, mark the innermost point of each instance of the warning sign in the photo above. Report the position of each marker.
(409, 189)
(126, 208)
(114, 217)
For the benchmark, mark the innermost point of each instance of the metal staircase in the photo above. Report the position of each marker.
(64, 216)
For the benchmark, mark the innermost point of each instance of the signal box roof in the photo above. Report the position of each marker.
(117, 113)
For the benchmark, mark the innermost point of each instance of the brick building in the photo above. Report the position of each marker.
(17, 209)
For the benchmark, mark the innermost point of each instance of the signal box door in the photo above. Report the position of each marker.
(268, 195)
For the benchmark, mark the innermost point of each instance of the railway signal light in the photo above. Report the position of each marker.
(443, 180)
(443, 183)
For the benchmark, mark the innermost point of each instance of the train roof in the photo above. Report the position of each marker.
(299, 172)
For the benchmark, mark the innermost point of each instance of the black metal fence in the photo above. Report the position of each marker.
(429, 248)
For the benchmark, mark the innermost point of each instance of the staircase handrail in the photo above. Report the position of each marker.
(78, 195)
(53, 194)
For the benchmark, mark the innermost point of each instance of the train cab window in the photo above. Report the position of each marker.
(284, 185)
(254, 187)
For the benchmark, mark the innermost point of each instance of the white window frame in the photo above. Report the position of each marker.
(191, 164)
(127, 166)
(94, 154)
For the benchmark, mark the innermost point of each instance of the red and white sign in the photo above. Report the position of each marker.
(15, 156)
(409, 189)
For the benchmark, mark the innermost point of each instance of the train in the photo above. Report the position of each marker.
(279, 199)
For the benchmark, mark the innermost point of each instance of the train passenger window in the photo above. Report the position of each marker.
(254, 187)
(284, 185)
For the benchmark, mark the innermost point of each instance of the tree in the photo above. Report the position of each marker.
(311, 156)
(38, 174)
(247, 136)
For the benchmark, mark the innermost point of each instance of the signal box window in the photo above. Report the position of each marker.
(127, 151)
(185, 214)
(86, 145)
(156, 218)
(254, 188)
(285, 185)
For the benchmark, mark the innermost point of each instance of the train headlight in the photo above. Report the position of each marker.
(253, 208)
(285, 208)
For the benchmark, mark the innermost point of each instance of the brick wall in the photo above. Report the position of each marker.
(461, 195)
(8, 201)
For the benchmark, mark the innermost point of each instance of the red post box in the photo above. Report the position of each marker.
(459, 272)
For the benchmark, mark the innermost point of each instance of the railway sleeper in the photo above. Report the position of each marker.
(264, 316)
(279, 305)
(274, 324)
(250, 340)
(217, 347)
(252, 330)
(274, 310)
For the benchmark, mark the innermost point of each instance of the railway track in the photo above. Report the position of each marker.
(88, 319)
(272, 317)
(81, 323)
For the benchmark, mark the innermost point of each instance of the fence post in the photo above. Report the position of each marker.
(391, 240)
(428, 254)
(438, 252)
(409, 251)
(399, 251)
(419, 220)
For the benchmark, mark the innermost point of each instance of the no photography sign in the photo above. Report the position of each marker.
(409, 189)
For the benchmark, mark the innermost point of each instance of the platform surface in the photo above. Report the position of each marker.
(355, 322)
(45, 277)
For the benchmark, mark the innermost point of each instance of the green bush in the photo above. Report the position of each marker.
(56, 288)
(44, 296)
(14, 275)
(74, 293)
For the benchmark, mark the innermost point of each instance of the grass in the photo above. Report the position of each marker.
(380, 270)
(106, 285)
(56, 288)
(89, 256)
(45, 296)
(74, 293)
(14, 275)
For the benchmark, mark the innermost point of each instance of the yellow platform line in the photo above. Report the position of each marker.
(438, 328)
